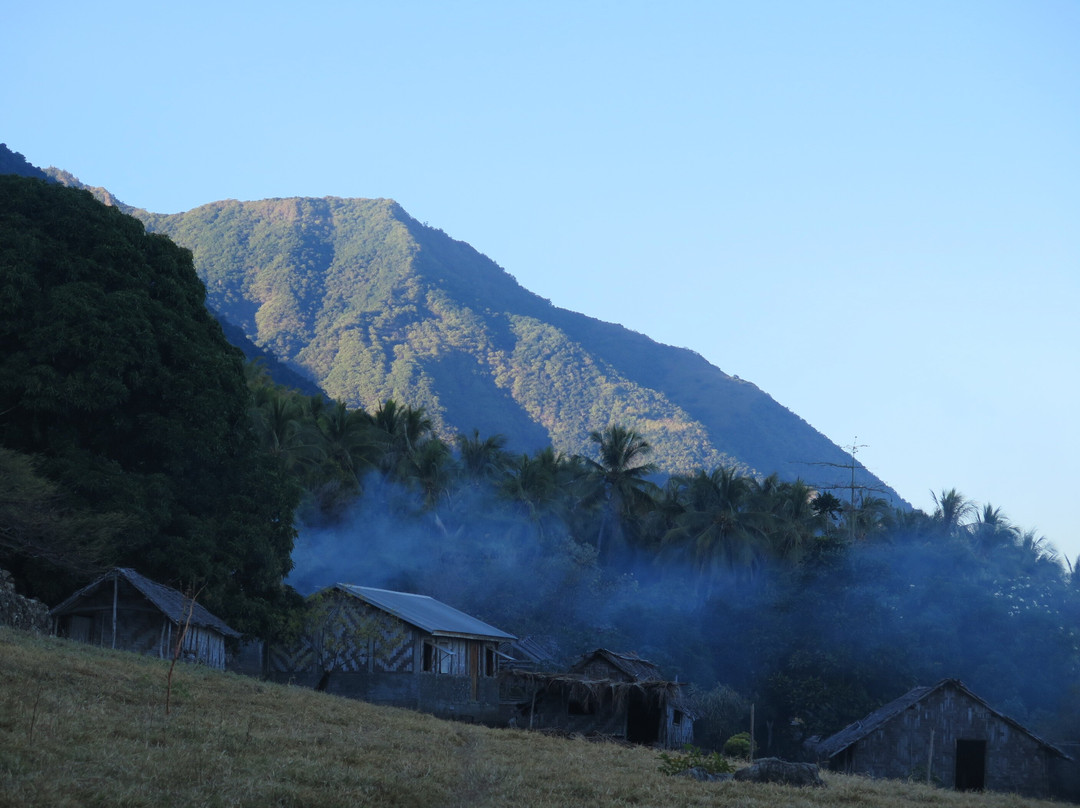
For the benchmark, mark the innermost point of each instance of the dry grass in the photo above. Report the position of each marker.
(87, 727)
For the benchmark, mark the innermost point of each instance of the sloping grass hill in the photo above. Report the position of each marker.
(86, 727)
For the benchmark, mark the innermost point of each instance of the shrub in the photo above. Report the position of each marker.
(738, 746)
(693, 758)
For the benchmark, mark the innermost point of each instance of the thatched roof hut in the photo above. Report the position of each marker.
(605, 693)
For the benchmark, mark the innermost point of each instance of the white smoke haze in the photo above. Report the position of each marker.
(823, 642)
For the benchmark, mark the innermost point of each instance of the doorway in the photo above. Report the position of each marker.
(642, 718)
(970, 765)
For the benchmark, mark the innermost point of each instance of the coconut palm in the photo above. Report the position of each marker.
(399, 431)
(951, 509)
(792, 520)
(719, 530)
(482, 461)
(992, 531)
(348, 438)
(618, 483)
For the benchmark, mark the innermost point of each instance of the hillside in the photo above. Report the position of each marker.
(371, 304)
(84, 726)
(125, 437)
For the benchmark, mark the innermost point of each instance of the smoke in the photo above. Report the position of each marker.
(817, 644)
(480, 554)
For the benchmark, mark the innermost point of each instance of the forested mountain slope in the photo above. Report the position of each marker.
(125, 436)
(372, 305)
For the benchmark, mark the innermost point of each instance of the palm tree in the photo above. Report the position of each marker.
(348, 438)
(992, 531)
(541, 485)
(618, 483)
(1038, 557)
(284, 432)
(950, 511)
(718, 528)
(792, 519)
(870, 518)
(399, 431)
(482, 460)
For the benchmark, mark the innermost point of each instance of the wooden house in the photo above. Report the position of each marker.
(945, 734)
(125, 610)
(395, 648)
(604, 693)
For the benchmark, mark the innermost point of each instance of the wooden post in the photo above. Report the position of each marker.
(930, 758)
(115, 597)
(751, 733)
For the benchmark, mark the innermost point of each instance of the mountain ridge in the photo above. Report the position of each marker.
(373, 304)
(368, 303)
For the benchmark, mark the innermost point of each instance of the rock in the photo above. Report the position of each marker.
(19, 612)
(774, 770)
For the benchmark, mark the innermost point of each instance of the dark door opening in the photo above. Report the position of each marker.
(642, 719)
(970, 765)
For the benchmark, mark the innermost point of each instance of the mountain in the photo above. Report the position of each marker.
(11, 162)
(371, 304)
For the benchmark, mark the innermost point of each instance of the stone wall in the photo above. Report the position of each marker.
(19, 612)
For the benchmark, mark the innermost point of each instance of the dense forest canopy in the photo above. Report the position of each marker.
(124, 412)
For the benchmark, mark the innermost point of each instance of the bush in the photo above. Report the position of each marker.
(693, 758)
(738, 746)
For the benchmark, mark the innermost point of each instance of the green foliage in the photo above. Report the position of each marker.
(738, 746)
(118, 381)
(373, 305)
(693, 758)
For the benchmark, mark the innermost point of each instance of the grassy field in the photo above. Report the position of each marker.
(86, 727)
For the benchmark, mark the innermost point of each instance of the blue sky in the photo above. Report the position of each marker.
(870, 210)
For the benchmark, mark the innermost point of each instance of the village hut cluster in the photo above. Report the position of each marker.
(410, 650)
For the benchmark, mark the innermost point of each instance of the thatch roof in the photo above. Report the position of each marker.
(630, 664)
(600, 691)
(173, 604)
(851, 734)
(424, 612)
(642, 677)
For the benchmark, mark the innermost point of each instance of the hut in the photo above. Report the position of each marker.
(126, 610)
(605, 693)
(395, 648)
(945, 734)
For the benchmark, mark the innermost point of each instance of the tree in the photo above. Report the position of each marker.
(482, 461)
(618, 483)
(992, 531)
(719, 530)
(116, 377)
(399, 432)
(952, 508)
(791, 521)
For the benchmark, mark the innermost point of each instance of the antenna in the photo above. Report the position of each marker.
(853, 450)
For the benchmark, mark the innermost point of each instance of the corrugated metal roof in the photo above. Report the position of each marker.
(852, 733)
(170, 602)
(426, 613)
